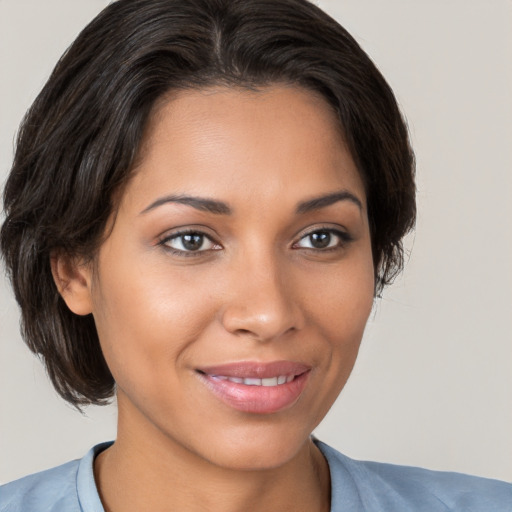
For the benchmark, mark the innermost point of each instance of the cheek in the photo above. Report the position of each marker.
(145, 323)
(341, 301)
(339, 310)
(150, 315)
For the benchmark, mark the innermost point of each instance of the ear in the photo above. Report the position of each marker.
(73, 280)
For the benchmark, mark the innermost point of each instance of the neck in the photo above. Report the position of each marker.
(150, 471)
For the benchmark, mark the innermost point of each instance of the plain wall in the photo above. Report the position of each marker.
(433, 383)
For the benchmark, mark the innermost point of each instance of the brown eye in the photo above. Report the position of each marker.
(320, 239)
(189, 242)
(323, 239)
(192, 242)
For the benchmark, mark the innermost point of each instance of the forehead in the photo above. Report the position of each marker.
(277, 141)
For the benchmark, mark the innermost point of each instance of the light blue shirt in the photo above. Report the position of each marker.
(356, 487)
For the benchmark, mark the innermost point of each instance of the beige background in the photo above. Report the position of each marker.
(433, 384)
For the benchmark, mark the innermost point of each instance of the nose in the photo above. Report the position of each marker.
(263, 304)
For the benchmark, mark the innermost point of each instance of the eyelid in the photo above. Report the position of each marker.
(187, 229)
(163, 240)
(344, 236)
(340, 232)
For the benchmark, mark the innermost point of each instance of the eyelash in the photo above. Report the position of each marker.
(344, 238)
(180, 234)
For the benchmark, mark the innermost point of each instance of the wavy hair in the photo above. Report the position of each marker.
(78, 142)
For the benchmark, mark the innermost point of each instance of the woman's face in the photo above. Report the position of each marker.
(232, 293)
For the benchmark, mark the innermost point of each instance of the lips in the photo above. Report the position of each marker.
(259, 388)
(253, 381)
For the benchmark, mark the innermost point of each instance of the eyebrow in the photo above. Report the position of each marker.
(317, 203)
(220, 208)
(199, 203)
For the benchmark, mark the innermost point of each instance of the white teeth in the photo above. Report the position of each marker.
(252, 381)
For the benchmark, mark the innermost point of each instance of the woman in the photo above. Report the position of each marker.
(205, 199)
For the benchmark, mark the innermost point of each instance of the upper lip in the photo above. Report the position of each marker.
(255, 369)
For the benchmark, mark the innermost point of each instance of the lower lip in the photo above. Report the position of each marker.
(257, 399)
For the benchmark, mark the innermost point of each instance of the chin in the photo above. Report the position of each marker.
(256, 449)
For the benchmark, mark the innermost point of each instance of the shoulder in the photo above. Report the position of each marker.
(66, 488)
(52, 490)
(383, 487)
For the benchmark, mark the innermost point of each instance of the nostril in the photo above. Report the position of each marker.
(244, 331)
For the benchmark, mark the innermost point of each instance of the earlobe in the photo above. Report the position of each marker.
(73, 280)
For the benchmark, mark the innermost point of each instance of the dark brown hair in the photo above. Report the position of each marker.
(77, 144)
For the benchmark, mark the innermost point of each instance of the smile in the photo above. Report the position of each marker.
(251, 381)
(258, 388)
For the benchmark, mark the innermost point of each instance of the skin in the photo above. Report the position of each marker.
(257, 290)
